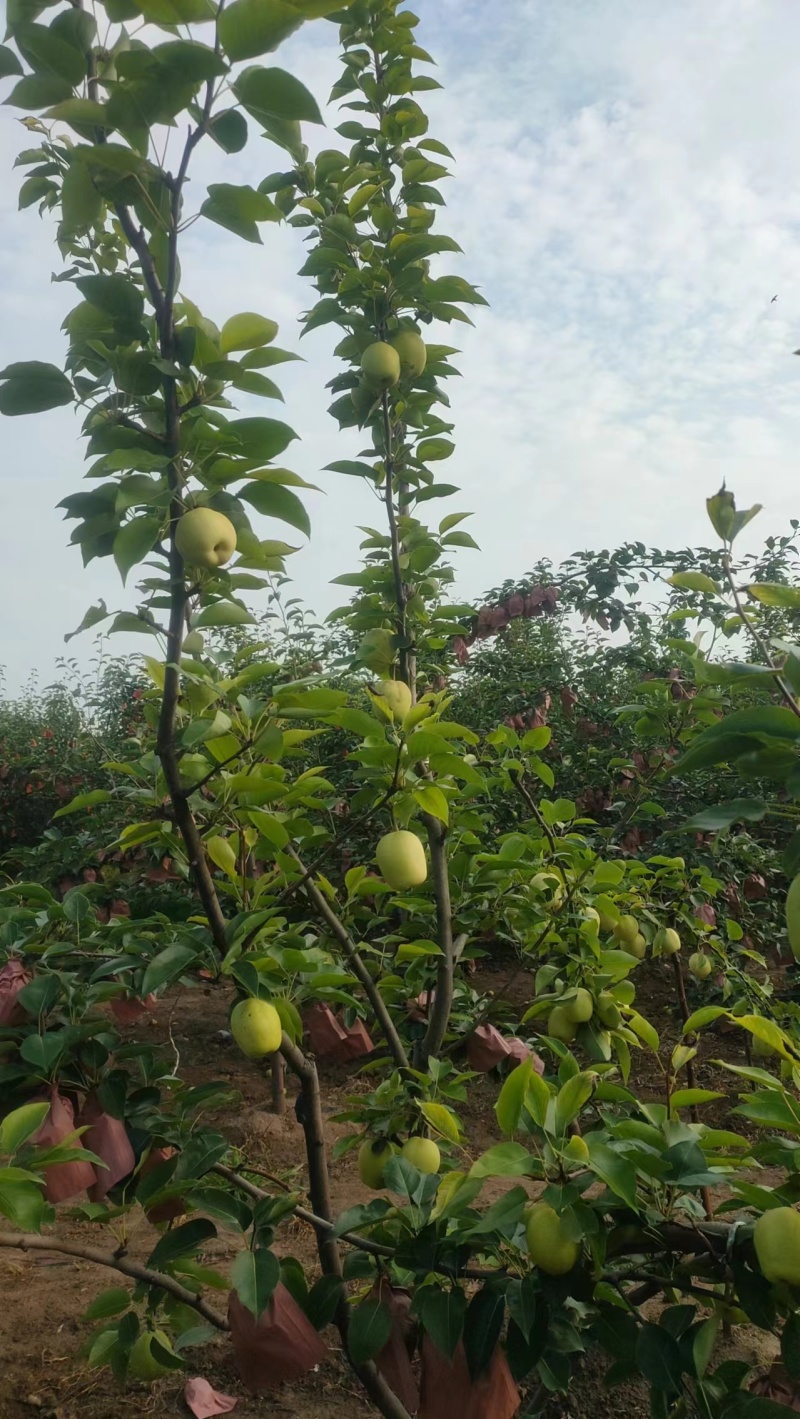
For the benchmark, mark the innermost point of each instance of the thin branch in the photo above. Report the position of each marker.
(443, 999)
(25, 1242)
(339, 930)
(758, 639)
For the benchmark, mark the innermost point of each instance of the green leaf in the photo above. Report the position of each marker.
(81, 203)
(248, 28)
(222, 854)
(721, 815)
(571, 1098)
(246, 331)
(84, 800)
(175, 12)
(702, 1017)
(774, 594)
(109, 1303)
(39, 91)
(694, 581)
(369, 1330)
(659, 1358)
(47, 53)
(269, 827)
(510, 1106)
(20, 1125)
(442, 1316)
(260, 439)
(116, 296)
(21, 1202)
(131, 624)
(523, 1298)
(167, 966)
(31, 387)
(482, 1326)
(225, 613)
(275, 94)
(9, 63)
(181, 1242)
(255, 1274)
(614, 1170)
(790, 1345)
(274, 500)
(443, 1120)
(431, 800)
(229, 130)
(239, 209)
(133, 542)
(504, 1160)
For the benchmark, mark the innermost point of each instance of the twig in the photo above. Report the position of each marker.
(25, 1242)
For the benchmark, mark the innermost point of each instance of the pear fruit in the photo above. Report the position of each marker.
(373, 1155)
(412, 351)
(397, 696)
(423, 1153)
(205, 538)
(560, 1025)
(776, 1238)
(700, 965)
(380, 365)
(667, 941)
(401, 859)
(581, 1007)
(256, 1027)
(549, 1246)
(626, 930)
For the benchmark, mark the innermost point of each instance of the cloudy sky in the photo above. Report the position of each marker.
(627, 194)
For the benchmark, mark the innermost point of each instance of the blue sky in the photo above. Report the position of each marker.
(626, 193)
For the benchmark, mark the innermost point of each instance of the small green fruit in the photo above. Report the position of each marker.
(412, 351)
(700, 965)
(397, 696)
(667, 942)
(194, 643)
(626, 929)
(607, 923)
(143, 1364)
(372, 1160)
(637, 947)
(549, 1246)
(401, 859)
(577, 1149)
(608, 1011)
(423, 1153)
(776, 1238)
(560, 1026)
(256, 1027)
(581, 1007)
(380, 364)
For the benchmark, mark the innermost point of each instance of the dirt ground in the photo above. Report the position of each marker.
(44, 1297)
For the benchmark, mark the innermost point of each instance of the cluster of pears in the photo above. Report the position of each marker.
(385, 362)
(569, 1016)
(374, 1154)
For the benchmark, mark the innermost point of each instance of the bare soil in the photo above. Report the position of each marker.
(42, 1329)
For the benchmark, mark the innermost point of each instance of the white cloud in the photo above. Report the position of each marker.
(625, 193)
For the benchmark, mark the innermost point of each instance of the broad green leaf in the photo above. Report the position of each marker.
(167, 966)
(222, 854)
(775, 594)
(504, 1160)
(510, 1105)
(225, 613)
(275, 94)
(369, 1330)
(84, 800)
(442, 1316)
(133, 542)
(181, 1242)
(239, 209)
(722, 815)
(21, 1202)
(20, 1125)
(274, 500)
(443, 1120)
(694, 581)
(31, 387)
(246, 331)
(248, 28)
(431, 800)
(571, 1098)
(109, 1303)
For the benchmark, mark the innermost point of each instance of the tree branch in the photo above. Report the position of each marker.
(25, 1242)
(339, 930)
(443, 999)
